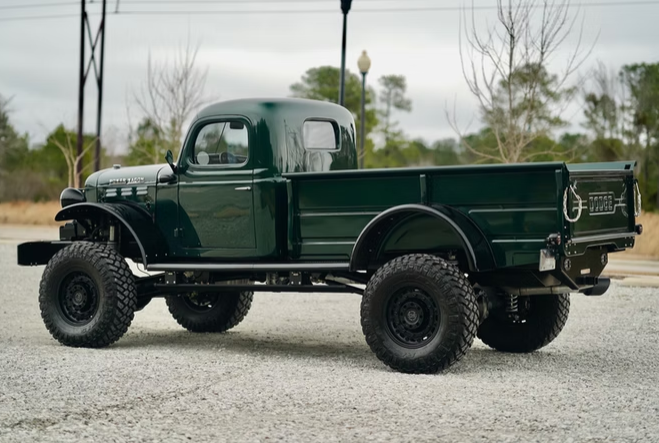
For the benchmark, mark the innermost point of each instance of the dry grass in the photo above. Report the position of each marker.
(647, 245)
(29, 213)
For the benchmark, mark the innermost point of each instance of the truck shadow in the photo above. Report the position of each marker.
(247, 343)
(353, 353)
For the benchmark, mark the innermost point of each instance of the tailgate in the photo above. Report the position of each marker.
(608, 195)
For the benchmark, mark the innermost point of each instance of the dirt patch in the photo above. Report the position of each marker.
(29, 213)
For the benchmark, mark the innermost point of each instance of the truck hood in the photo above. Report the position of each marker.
(132, 175)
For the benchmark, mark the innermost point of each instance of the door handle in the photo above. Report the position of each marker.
(244, 188)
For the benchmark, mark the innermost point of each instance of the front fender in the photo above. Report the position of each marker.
(134, 219)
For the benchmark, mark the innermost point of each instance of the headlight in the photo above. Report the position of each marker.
(71, 196)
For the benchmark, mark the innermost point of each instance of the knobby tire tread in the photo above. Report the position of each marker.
(461, 298)
(542, 328)
(118, 285)
(236, 306)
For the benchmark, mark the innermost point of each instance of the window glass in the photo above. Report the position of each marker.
(320, 135)
(221, 143)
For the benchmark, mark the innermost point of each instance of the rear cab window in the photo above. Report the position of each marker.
(321, 135)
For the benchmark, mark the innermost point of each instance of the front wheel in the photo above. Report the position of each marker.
(419, 314)
(537, 322)
(87, 295)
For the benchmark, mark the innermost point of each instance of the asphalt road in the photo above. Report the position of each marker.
(298, 369)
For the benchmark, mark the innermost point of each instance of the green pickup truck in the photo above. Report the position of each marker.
(266, 196)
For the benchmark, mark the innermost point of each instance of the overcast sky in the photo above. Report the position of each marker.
(262, 55)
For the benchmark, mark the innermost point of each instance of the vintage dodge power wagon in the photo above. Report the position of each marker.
(265, 196)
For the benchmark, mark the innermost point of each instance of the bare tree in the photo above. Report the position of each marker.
(69, 153)
(505, 68)
(172, 92)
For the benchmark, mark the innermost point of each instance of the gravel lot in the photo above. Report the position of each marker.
(298, 369)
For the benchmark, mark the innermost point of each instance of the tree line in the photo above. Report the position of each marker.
(522, 109)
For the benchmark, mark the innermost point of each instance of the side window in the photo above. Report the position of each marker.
(320, 134)
(221, 143)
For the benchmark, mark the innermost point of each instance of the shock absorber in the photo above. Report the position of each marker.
(512, 303)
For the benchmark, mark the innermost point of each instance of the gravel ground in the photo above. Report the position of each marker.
(298, 369)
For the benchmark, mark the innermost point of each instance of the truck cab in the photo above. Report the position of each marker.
(227, 199)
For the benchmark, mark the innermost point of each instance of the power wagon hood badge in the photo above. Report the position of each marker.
(127, 181)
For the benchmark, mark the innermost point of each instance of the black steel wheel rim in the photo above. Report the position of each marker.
(78, 298)
(201, 302)
(413, 317)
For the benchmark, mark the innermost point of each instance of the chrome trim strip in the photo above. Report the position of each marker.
(200, 182)
(337, 214)
(327, 243)
(548, 209)
(529, 240)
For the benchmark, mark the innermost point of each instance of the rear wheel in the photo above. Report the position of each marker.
(210, 311)
(87, 295)
(537, 322)
(419, 314)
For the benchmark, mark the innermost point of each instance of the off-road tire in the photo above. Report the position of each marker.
(229, 309)
(111, 296)
(142, 303)
(436, 283)
(544, 321)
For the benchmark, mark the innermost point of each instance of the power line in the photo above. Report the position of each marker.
(308, 11)
(39, 5)
(397, 9)
(38, 17)
(157, 2)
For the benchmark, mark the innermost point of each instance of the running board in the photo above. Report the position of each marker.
(182, 288)
(264, 267)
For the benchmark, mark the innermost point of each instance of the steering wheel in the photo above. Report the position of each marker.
(227, 158)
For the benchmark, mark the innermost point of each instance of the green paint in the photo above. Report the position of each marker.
(289, 203)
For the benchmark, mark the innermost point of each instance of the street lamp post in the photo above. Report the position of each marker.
(345, 8)
(364, 64)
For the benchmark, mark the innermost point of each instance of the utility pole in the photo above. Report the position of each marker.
(99, 82)
(98, 41)
(81, 94)
(345, 8)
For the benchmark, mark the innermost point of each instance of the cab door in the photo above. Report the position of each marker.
(216, 208)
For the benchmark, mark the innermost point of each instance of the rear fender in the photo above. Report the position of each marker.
(402, 220)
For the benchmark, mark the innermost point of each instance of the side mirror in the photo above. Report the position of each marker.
(170, 160)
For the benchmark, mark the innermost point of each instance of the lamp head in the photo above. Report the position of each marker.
(364, 63)
(345, 6)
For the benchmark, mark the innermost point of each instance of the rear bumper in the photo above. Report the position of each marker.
(613, 242)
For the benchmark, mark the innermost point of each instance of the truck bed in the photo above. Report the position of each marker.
(513, 207)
